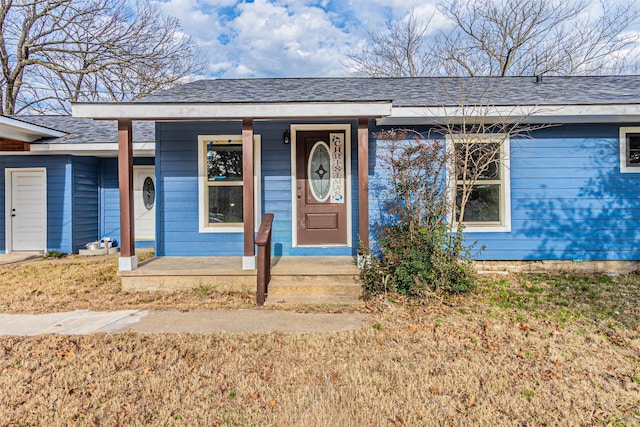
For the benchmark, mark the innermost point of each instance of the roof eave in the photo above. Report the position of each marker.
(230, 111)
(19, 130)
(592, 113)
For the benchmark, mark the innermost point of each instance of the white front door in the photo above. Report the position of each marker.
(144, 205)
(26, 209)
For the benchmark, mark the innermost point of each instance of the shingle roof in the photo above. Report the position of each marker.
(80, 130)
(411, 92)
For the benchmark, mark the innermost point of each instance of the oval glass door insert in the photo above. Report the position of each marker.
(319, 171)
(148, 193)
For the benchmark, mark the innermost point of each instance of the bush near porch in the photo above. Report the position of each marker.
(417, 249)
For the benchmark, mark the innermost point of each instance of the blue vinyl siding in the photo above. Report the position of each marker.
(85, 201)
(177, 192)
(59, 205)
(569, 200)
(177, 187)
(82, 199)
(109, 200)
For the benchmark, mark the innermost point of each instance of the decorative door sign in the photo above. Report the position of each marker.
(336, 150)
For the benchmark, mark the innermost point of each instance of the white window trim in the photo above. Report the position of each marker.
(623, 150)
(7, 204)
(505, 188)
(346, 128)
(203, 226)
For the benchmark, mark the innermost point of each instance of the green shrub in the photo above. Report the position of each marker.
(54, 254)
(418, 251)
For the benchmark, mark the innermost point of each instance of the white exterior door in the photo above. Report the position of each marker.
(26, 209)
(144, 205)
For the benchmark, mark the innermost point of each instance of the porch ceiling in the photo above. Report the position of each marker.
(231, 111)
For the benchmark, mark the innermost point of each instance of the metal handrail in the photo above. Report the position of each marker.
(263, 241)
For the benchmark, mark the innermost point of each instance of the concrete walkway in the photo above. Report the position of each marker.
(14, 257)
(173, 321)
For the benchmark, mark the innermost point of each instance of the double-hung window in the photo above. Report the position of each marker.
(221, 185)
(480, 182)
(630, 149)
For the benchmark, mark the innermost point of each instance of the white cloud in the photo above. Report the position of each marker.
(268, 38)
(372, 13)
(281, 39)
(200, 25)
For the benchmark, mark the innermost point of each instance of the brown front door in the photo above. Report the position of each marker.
(321, 188)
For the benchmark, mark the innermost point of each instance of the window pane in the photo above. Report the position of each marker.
(482, 158)
(224, 162)
(320, 171)
(225, 204)
(483, 204)
(633, 140)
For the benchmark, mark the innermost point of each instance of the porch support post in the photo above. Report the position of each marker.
(128, 260)
(249, 259)
(363, 182)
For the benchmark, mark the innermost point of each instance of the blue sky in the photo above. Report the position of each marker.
(284, 38)
(288, 38)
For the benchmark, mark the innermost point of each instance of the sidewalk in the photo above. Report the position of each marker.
(13, 257)
(173, 321)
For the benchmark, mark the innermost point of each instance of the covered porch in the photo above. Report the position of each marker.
(306, 268)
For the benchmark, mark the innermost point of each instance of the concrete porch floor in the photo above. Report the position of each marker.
(226, 273)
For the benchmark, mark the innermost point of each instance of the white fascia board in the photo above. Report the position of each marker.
(174, 111)
(140, 149)
(21, 131)
(611, 113)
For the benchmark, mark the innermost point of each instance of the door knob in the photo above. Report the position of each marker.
(299, 195)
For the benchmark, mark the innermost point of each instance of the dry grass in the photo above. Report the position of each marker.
(521, 350)
(92, 283)
(81, 283)
(420, 365)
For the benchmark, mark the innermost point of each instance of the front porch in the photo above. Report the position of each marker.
(318, 279)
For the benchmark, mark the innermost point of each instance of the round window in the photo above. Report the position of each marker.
(319, 171)
(148, 193)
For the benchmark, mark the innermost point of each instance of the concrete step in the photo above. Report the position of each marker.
(317, 299)
(339, 285)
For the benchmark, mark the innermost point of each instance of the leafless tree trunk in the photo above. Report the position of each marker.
(514, 37)
(53, 52)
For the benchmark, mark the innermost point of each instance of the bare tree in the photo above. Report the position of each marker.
(519, 37)
(479, 133)
(399, 49)
(436, 183)
(532, 37)
(53, 52)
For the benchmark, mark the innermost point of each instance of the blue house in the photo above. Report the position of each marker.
(227, 151)
(59, 183)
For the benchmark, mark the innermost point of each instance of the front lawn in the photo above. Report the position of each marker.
(520, 350)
